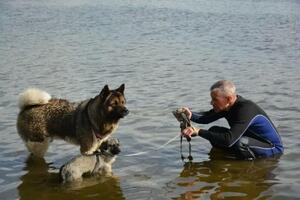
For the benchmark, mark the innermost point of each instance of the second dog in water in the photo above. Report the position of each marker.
(98, 164)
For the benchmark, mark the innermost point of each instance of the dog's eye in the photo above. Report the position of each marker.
(115, 103)
(104, 147)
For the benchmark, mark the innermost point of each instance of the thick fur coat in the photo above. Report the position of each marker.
(87, 124)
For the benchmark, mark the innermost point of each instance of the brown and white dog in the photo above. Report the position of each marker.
(86, 124)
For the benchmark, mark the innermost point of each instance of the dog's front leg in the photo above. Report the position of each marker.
(88, 145)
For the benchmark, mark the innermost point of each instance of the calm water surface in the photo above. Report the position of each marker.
(168, 53)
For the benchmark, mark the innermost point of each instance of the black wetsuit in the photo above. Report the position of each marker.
(251, 133)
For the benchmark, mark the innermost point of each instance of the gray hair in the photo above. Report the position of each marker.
(227, 88)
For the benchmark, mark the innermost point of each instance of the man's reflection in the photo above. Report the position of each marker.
(220, 177)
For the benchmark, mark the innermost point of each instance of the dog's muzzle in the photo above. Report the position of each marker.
(124, 112)
(115, 150)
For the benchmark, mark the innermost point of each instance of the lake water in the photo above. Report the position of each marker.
(168, 53)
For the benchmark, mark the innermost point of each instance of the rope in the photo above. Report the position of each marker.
(184, 122)
(162, 146)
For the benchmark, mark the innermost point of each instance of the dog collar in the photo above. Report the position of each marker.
(99, 136)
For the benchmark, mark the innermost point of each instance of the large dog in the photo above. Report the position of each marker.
(98, 164)
(87, 123)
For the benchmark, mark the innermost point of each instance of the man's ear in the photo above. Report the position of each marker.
(230, 99)
(121, 88)
(104, 92)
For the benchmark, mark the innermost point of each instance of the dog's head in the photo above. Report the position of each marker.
(113, 102)
(99, 117)
(110, 147)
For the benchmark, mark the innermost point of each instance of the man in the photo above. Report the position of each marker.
(251, 133)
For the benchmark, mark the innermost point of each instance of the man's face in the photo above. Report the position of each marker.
(218, 101)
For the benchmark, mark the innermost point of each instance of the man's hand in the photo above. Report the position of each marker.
(187, 111)
(190, 132)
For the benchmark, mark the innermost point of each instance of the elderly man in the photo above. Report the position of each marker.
(251, 133)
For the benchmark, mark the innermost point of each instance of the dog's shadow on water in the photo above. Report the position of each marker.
(42, 182)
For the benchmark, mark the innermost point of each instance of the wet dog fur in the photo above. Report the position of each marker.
(98, 164)
(87, 124)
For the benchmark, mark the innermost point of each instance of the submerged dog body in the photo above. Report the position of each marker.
(87, 123)
(98, 164)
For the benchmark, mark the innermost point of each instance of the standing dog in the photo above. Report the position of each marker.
(87, 124)
(98, 164)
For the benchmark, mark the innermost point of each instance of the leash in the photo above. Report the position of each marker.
(190, 157)
(98, 153)
(145, 152)
(184, 122)
(97, 163)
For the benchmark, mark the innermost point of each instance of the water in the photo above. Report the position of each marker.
(168, 53)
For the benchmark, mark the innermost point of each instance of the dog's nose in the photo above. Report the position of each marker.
(125, 112)
(116, 151)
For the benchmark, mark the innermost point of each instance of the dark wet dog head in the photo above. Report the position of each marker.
(111, 146)
(114, 102)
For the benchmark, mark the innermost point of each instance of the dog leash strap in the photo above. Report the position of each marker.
(162, 146)
(97, 163)
(190, 157)
(182, 157)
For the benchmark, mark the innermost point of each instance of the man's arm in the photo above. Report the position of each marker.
(206, 117)
(225, 137)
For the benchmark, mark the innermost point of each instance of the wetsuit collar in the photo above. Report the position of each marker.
(238, 99)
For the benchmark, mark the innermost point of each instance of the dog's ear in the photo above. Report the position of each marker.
(104, 92)
(121, 88)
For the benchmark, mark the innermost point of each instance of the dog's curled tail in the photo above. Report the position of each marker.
(33, 96)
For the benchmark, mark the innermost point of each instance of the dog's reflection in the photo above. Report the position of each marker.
(220, 177)
(42, 182)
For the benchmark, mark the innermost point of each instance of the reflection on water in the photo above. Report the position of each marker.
(42, 182)
(219, 178)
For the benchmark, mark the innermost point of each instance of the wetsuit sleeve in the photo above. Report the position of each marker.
(224, 137)
(205, 117)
